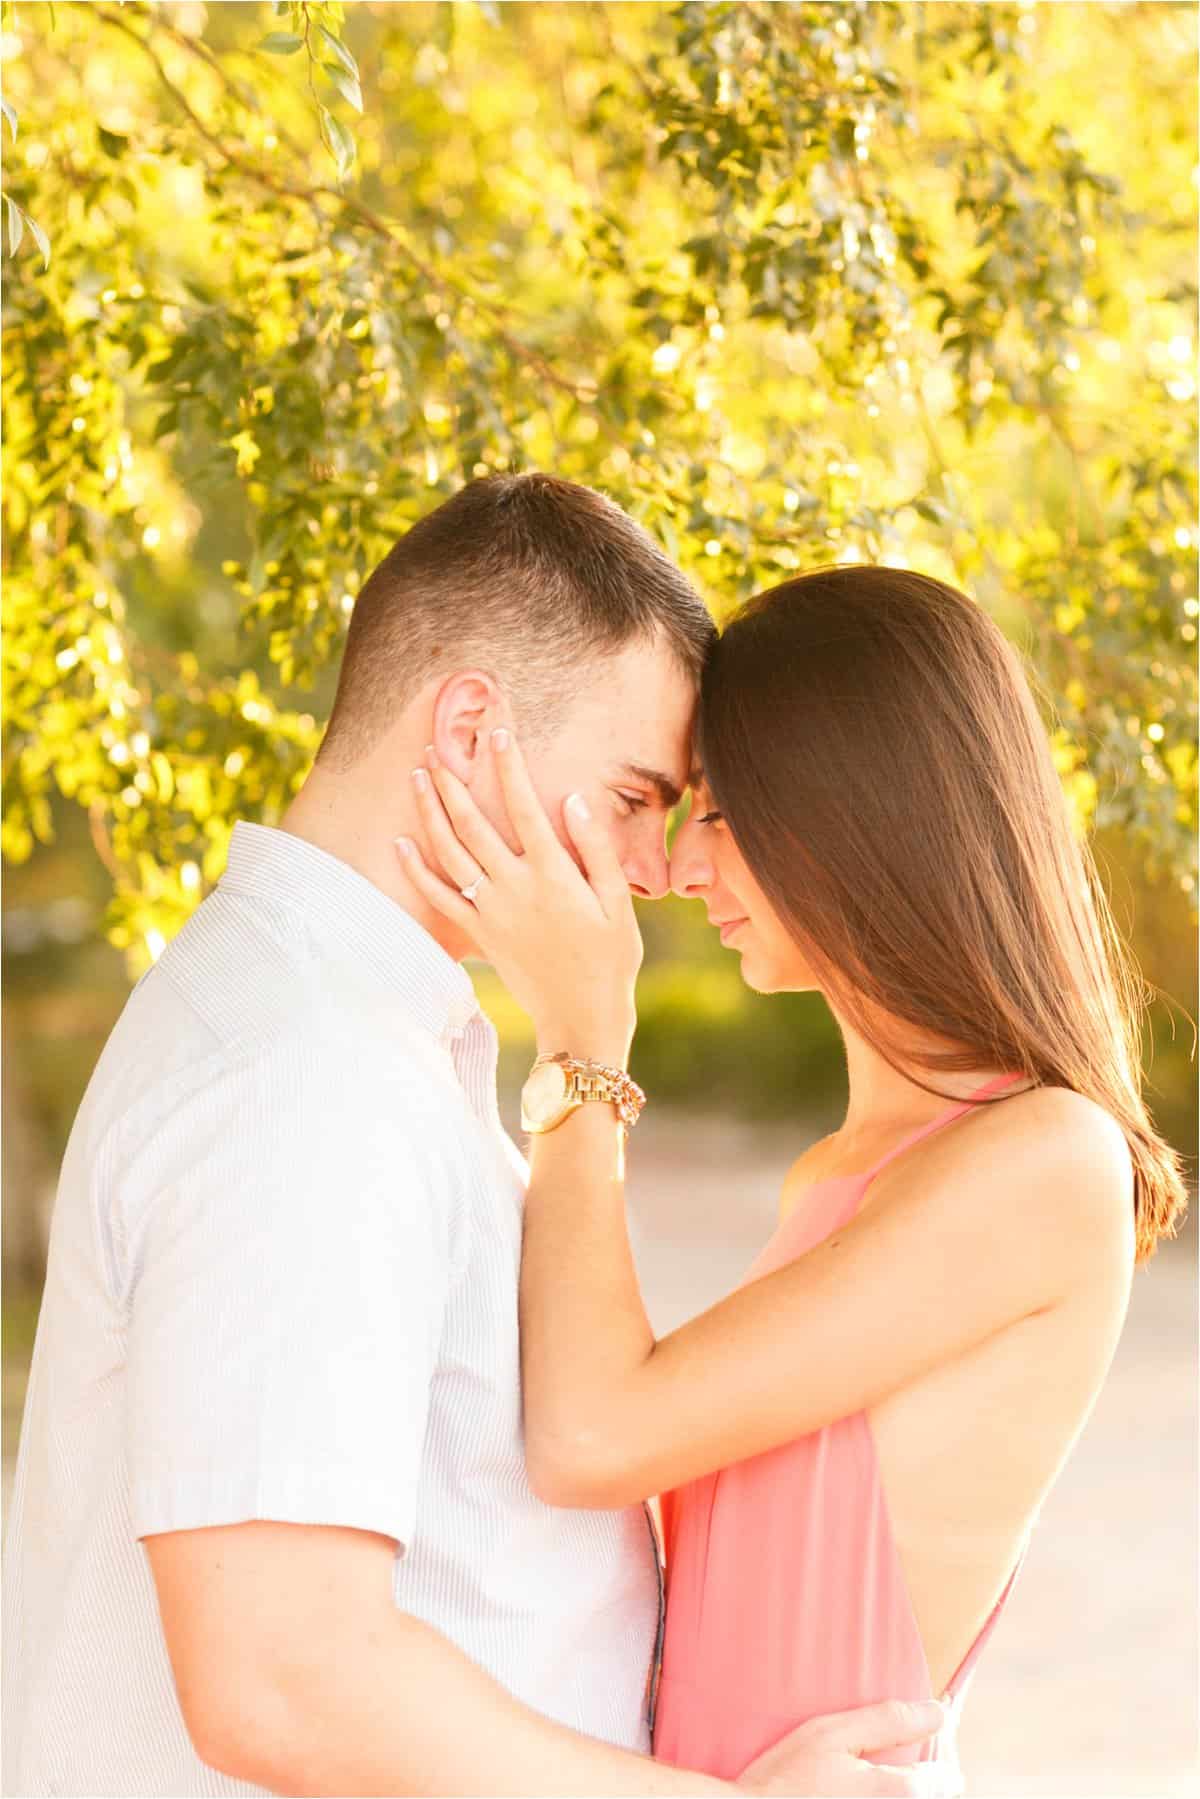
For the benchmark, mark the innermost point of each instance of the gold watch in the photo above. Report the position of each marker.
(559, 1084)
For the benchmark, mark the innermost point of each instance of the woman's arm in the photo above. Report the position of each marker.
(996, 1228)
(995, 1231)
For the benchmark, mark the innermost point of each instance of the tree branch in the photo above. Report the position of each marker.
(521, 352)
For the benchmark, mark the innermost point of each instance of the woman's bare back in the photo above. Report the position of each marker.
(968, 1451)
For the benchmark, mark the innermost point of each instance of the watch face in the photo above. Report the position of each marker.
(543, 1094)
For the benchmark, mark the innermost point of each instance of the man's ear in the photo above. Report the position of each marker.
(466, 710)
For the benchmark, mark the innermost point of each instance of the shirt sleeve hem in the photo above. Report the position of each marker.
(335, 1497)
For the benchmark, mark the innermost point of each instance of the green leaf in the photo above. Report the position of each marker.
(40, 239)
(280, 43)
(340, 141)
(346, 85)
(339, 50)
(111, 142)
(16, 225)
(10, 115)
(443, 26)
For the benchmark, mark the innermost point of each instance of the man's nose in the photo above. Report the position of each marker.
(647, 872)
(690, 870)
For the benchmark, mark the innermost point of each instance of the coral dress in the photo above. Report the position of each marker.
(786, 1598)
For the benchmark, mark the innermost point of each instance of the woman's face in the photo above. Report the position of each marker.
(707, 865)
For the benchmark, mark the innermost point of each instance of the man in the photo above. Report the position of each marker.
(271, 1528)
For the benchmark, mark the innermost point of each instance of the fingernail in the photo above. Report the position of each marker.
(500, 738)
(420, 779)
(578, 807)
(404, 845)
(431, 756)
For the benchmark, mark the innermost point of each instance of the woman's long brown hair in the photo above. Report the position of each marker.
(873, 743)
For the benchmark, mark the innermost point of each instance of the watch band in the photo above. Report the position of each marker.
(596, 1080)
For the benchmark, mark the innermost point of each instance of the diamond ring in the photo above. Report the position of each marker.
(470, 892)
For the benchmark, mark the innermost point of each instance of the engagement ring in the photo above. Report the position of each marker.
(469, 893)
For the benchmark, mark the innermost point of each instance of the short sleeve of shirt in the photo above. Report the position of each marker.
(291, 1271)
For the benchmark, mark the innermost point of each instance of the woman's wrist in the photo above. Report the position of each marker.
(606, 1044)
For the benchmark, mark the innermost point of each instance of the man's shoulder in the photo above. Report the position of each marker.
(244, 967)
(252, 972)
(184, 1048)
(351, 1059)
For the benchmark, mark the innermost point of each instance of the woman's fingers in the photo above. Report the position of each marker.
(533, 829)
(460, 865)
(441, 896)
(604, 872)
(473, 830)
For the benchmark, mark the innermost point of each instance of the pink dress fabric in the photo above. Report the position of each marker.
(786, 1598)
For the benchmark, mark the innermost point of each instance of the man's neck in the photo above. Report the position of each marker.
(345, 817)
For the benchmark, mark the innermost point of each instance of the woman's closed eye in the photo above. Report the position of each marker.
(634, 802)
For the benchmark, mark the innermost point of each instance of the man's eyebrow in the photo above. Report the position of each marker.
(669, 791)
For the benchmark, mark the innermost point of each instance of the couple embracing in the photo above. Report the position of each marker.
(343, 1418)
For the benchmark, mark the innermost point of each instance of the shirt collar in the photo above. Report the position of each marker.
(269, 864)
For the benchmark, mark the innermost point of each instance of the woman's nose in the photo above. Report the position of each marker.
(691, 867)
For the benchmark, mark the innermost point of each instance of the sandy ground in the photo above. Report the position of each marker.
(1089, 1686)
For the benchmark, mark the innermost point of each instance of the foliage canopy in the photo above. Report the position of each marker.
(793, 283)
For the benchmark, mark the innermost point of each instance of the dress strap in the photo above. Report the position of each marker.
(936, 1124)
(965, 1668)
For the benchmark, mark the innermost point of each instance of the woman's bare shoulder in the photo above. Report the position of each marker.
(1054, 1129)
(1048, 1167)
(811, 1164)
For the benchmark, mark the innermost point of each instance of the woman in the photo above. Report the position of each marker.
(855, 1444)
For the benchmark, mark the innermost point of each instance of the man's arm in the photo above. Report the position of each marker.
(296, 1672)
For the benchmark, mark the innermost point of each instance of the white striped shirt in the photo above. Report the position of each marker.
(283, 1284)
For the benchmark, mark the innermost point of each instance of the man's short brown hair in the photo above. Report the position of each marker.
(526, 576)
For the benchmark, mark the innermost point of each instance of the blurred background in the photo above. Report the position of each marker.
(794, 284)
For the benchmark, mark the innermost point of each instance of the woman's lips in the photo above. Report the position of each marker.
(730, 927)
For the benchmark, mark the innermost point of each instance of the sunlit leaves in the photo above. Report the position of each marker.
(315, 29)
(794, 284)
(280, 43)
(338, 51)
(339, 140)
(17, 222)
(14, 220)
